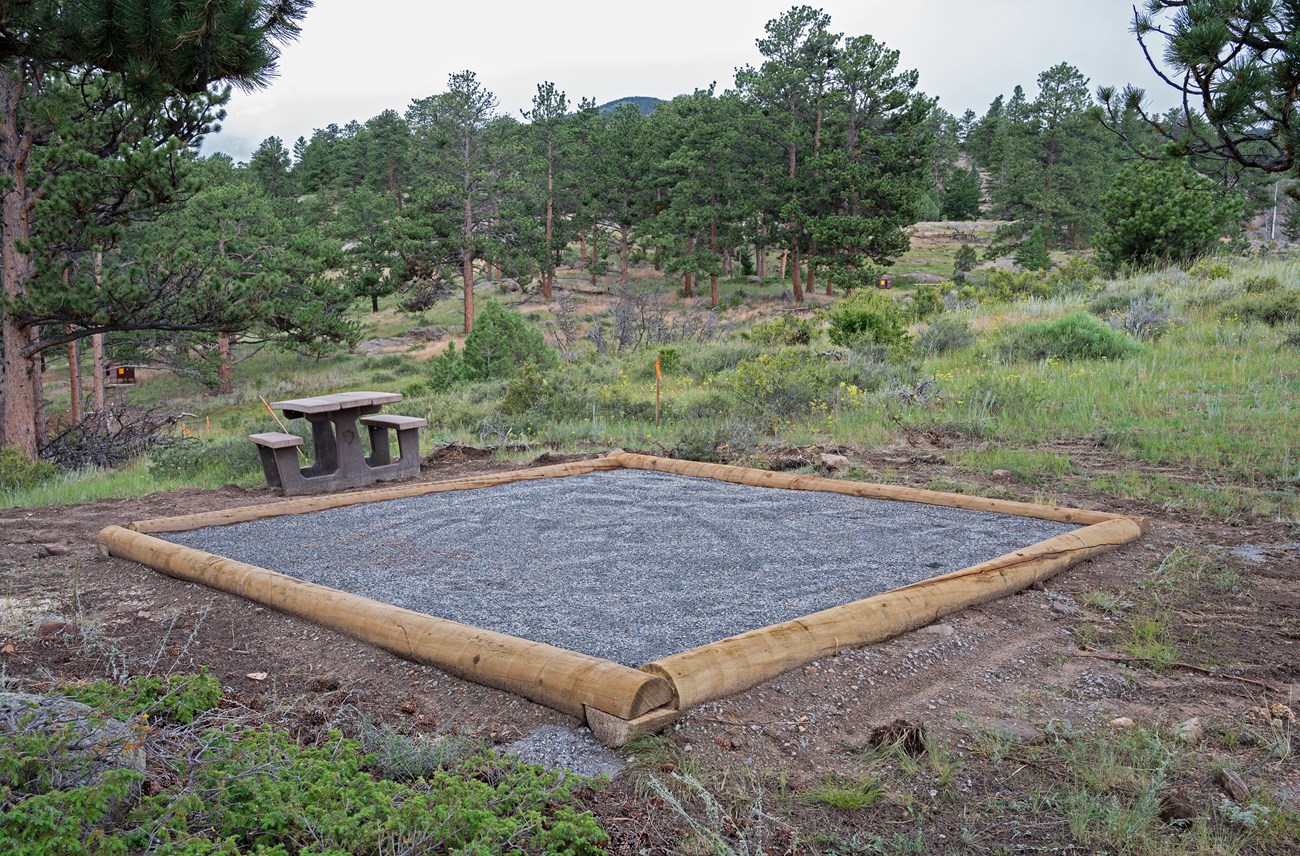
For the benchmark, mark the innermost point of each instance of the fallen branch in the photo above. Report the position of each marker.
(1177, 664)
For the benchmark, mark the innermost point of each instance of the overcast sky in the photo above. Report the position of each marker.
(355, 60)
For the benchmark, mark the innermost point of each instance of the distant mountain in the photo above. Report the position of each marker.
(644, 103)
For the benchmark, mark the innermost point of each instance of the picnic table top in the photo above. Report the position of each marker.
(337, 401)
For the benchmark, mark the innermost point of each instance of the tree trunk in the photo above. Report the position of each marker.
(467, 264)
(713, 248)
(74, 379)
(812, 267)
(97, 349)
(97, 342)
(795, 275)
(688, 282)
(548, 275)
(785, 254)
(20, 373)
(374, 303)
(624, 254)
(582, 245)
(224, 373)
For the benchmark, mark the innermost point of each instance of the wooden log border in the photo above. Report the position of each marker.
(617, 701)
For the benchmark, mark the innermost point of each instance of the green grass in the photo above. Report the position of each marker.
(1206, 418)
(844, 795)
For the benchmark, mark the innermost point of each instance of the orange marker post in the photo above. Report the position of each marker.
(659, 382)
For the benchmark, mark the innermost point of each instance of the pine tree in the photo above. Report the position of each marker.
(965, 262)
(453, 138)
(961, 195)
(1163, 212)
(72, 71)
(550, 107)
(1032, 254)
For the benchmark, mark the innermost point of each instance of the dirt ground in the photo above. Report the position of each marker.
(1025, 663)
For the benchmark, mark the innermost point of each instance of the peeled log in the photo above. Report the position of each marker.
(723, 668)
(306, 505)
(564, 680)
(765, 478)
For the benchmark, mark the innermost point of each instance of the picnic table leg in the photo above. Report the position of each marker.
(380, 451)
(269, 467)
(408, 445)
(351, 455)
(324, 445)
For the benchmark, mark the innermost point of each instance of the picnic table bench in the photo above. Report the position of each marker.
(339, 460)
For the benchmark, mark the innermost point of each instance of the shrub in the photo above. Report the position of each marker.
(228, 459)
(1032, 254)
(1001, 285)
(715, 442)
(714, 359)
(502, 341)
(781, 331)
(178, 697)
(868, 318)
(446, 370)
(783, 386)
(258, 791)
(1118, 297)
(1074, 274)
(1077, 336)
(1273, 308)
(965, 262)
(946, 334)
(927, 301)
(529, 388)
(1162, 212)
(1210, 269)
(1291, 338)
(18, 473)
(1260, 284)
(1144, 319)
(670, 360)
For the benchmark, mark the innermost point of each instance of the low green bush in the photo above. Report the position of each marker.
(785, 385)
(781, 331)
(18, 473)
(706, 361)
(1120, 295)
(868, 318)
(1260, 284)
(502, 340)
(1274, 308)
(178, 698)
(1001, 286)
(228, 459)
(1210, 268)
(258, 791)
(1075, 274)
(529, 388)
(1077, 336)
(944, 334)
(927, 301)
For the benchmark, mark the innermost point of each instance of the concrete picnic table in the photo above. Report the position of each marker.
(339, 459)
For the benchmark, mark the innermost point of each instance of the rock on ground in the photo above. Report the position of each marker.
(90, 746)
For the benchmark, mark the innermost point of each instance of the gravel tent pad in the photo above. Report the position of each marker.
(556, 582)
(627, 565)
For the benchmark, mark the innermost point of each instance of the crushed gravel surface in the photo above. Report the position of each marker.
(627, 565)
(574, 750)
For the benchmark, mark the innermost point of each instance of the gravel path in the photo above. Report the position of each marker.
(627, 565)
